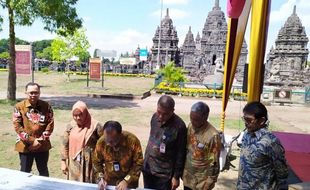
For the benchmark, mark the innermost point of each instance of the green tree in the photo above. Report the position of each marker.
(39, 46)
(5, 55)
(172, 75)
(75, 45)
(64, 48)
(59, 50)
(4, 44)
(53, 13)
(45, 54)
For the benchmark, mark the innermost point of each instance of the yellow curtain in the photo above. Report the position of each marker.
(259, 31)
(235, 37)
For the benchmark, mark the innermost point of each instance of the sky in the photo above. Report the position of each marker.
(123, 25)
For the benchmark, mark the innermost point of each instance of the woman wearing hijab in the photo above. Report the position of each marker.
(78, 144)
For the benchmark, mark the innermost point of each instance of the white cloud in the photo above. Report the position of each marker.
(286, 9)
(174, 14)
(122, 41)
(283, 13)
(175, 2)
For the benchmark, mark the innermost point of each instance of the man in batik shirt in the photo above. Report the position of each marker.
(203, 150)
(118, 158)
(33, 122)
(165, 152)
(262, 160)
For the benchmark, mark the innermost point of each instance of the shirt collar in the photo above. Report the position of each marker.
(28, 104)
(167, 122)
(259, 133)
(204, 127)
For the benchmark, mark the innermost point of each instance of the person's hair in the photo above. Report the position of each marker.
(166, 102)
(257, 109)
(32, 84)
(113, 125)
(201, 108)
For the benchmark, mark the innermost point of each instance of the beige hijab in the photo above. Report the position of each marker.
(80, 134)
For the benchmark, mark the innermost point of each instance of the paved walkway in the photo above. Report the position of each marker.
(289, 118)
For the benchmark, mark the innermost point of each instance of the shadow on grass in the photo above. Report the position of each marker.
(66, 102)
(226, 182)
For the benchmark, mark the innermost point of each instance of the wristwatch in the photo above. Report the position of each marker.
(127, 178)
(100, 176)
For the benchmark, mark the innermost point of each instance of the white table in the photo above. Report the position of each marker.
(16, 180)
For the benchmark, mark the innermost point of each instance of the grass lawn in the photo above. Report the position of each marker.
(58, 83)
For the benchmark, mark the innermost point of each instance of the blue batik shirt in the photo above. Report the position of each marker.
(262, 162)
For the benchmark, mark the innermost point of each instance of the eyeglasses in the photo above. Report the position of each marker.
(248, 120)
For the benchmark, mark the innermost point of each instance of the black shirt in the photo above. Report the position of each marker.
(166, 149)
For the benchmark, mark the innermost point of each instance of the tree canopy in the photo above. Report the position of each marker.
(4, 44)
(54, 14)
(4, 55)
(39, 46)
(76, 45)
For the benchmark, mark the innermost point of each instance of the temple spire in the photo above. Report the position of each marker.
(294, 10)
(167, 12)
(217, 4)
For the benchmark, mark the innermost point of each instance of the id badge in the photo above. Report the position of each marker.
(116, 166)
(78, 158)
(200, 145)
(42, 118)
(162, 148)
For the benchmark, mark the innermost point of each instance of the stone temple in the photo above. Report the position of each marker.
(287, 62)
(166, 35)
(200, 56)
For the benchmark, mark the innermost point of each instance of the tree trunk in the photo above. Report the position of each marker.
(11, 93)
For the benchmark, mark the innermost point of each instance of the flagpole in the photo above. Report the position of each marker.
(158, 51)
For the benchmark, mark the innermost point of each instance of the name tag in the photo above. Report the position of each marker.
(78, 158)
(116, 166)
(42, 118)
(162, 148)
(200, 145)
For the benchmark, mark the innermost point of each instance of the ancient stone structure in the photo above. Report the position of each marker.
(210, 47)
(287, 62)
(137, 54)
(168, 42)
(188, 51)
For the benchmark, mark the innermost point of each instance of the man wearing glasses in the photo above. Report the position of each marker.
(33, 122)
(262, 160)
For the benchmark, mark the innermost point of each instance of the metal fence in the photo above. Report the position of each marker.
(296, 96)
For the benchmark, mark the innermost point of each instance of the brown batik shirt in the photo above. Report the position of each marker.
(123, 162)
(202, 159)
(30, 122)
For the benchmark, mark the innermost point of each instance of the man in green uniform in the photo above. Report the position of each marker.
(118, 158)
(203, 150)
(33, 122)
